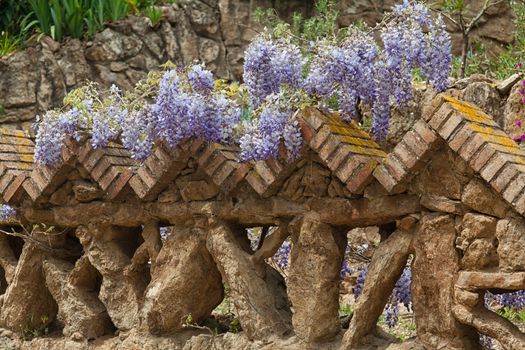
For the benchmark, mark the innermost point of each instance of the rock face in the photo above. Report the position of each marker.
(213, 32)
(185, 281)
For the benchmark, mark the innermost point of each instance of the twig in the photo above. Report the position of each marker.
(41, 245)
(186, 324)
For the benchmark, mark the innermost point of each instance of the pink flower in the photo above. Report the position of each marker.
(518, 123)
(522, 137)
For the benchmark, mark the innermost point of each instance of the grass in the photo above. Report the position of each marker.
(8, 44)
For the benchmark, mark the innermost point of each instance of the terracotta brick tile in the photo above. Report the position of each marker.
(319, 139)
(441, 116)
(460, 137)
(384, 177)
(328, 148)
(216, 161)
(108, 178)
(425, 132)
(314, 118)
(117, 187)
(138, 186)
(406, 156)
(436, 103)
(100, 169)
(395, 167)
(514, 188)
(350, 164)
(31, 189)
(264, 172)
(337, 157)
(222, 173)
(451, 125)
(361, 177)
(500, 182)
(256, 182)
(520, 204)
(237, 176)
(481, 157)
(415, 144)
(495, 164)
(471, 147)
(147, 178)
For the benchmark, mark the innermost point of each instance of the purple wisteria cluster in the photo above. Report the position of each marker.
(185, 106)
(280, 77)
(6, 212)
(270, 70)
(358, 70)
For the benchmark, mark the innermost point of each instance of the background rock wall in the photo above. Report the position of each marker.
(215, 32)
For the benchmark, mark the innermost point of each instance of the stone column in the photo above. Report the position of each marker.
(27, 304)
(103, 245)
(434, 271)
(84, 316)
(386, 267)
(260, 301)
(185, 282)
(314, 277)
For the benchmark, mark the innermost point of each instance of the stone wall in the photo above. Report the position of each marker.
(215, 32)
(449, 198)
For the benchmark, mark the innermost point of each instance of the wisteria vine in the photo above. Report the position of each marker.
(282, 74)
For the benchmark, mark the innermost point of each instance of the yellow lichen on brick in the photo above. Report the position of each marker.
(16, 133)
(24, 149)
(501, 140)
(518, 160)
(486, 129)
(17, 165)
(366, 150)
(335, 120)
(359, 142)
(470, 112)
(15, 141)
(28, 158)
(512, 150)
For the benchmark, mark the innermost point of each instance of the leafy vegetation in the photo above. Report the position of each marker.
(480, 60)
(65, 18)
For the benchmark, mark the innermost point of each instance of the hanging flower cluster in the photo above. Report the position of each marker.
(280, 77)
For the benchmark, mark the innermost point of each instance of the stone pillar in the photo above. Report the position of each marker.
(82, 313)
(120, 295)
(386, 267)
(185, 282)
(260, 301)
(313, 279)
(27, 303)
(434, 271)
